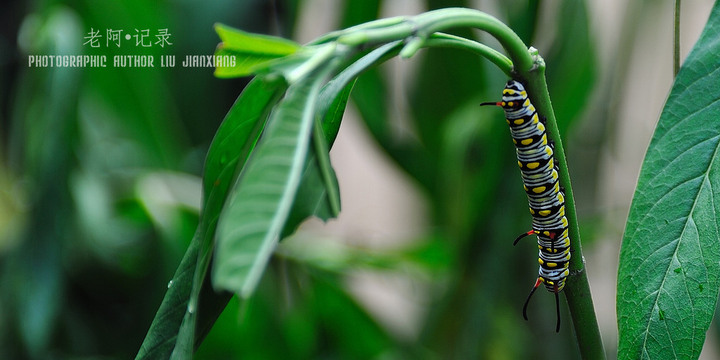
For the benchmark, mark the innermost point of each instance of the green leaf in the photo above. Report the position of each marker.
(669, 269)
(350, 74)
(233, 142)
(237, 135)
(242, 41)
(258, 206)
(322, 155)
(313, 196)
(160, 339)
(251, 51)
(186, 339)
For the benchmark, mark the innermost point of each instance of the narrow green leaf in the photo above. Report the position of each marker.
(233, 142)
(339, 84)
(251, 51)
(669, 272)
(184, 344)
(237, 136)
(322, 154)
(312, 197)
(245, 63)
(242, 41)
(160, 339)
(258, 206)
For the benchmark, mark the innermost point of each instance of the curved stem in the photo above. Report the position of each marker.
(426, 24)
(439, 20)
(379, 23)
(676, 39)
(577, 288)
(452, 41)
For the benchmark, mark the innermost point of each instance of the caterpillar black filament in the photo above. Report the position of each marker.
(540, 178)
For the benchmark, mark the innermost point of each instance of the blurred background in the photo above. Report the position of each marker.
(100, 182)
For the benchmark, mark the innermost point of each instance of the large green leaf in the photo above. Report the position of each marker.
(669, 270)
(259, 203)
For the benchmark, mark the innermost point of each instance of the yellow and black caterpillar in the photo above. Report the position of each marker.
(546, 198)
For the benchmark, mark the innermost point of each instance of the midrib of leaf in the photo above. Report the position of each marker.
(288, 192)
(264, 193)
(689, 220)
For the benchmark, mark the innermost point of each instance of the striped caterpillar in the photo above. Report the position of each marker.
(540, 179)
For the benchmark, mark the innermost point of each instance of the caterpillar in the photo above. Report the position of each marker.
(539, 172)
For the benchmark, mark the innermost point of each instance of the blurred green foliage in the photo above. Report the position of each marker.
(100, 191)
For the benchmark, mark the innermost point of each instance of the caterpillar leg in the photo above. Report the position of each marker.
(531, 232)
(557, 302)
(557, 310)
(527, 301)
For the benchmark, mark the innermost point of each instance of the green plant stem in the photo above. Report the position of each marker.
(440, 20)
(452, 41)
(577, 288)
(676, 39)
(424, 25)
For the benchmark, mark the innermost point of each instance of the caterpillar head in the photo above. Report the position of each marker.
(514, 95)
